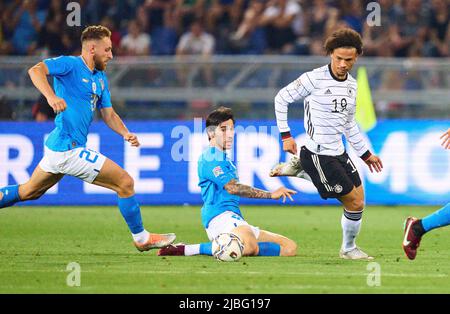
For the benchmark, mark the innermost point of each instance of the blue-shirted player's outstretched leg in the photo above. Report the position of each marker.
(415, 228)
(268, 244)
(113, 177)
(33, 189)
(182, 249)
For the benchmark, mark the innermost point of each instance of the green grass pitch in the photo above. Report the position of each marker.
(37, 244)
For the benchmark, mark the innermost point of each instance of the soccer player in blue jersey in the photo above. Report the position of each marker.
(415, 228)
(221, 191)
(80, 87)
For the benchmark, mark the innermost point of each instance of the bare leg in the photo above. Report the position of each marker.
(248, 238)
(38, 184)
(113, 177)
(354, 201)
(287, 246)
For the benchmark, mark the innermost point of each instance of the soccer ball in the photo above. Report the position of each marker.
(227, 247)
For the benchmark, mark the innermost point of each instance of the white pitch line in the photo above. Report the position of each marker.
(215, 272)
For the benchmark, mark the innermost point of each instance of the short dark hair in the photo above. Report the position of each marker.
(218, 116)
(95, 32)
(343, 38)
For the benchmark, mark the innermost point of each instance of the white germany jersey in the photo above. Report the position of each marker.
(330, 106)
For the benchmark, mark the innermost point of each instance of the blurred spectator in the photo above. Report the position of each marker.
(6, 112)
(27, 22)
(155, 10)
(196, 42)
(115, 34)
(439, 45)
(353, 15)
(142, 18)
(322, 19)
(42, 111)
(135, 43)
(250, 35)
(409, 28)
(223, 13)
(165, 38)
(278, 18)
(50, 37)
(187, 11)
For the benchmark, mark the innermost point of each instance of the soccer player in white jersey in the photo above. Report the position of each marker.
(80, 87)
(329, 96)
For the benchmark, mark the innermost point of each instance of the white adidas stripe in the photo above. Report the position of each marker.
(323, 179)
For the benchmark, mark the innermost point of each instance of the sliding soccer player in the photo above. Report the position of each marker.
(221, 191)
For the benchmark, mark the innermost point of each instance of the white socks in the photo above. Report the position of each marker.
(191, 249)
(351, 224)
(141, 237)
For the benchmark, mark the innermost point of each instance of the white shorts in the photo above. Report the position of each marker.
(226, 222)
(80, 162)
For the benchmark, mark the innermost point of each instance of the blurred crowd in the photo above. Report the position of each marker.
(409, 28)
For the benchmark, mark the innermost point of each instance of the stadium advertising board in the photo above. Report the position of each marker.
(416, 168)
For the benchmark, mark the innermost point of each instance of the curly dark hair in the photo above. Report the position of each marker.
(343, 38)
(95, 32)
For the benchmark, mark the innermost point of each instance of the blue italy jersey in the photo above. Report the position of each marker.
(84, 91)
(215, 170)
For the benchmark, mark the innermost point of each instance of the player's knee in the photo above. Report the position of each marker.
(289, 248)
(357, 205)
(251, 248)
(126, 185)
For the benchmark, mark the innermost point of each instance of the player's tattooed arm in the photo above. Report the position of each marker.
(236, 188)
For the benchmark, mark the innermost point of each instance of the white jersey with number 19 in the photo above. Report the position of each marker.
(330, 106)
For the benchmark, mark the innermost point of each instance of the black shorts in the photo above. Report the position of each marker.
(333, 176)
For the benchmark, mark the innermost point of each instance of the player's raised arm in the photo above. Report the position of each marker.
(113, 120)
(38, 74)
(293, 92)
(236, 188)
(446, 139)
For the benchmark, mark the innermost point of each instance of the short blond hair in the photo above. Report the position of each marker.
(95, 32)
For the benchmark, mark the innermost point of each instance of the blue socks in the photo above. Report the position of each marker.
(10, 195)
(439, 218)
(268, 249)
(129, 208)
(206, 248)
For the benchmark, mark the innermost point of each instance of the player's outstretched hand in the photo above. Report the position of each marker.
(282, 193)
(290, 146)
(58, 104)
(132, 138)
(446, 139)
(374, 163)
